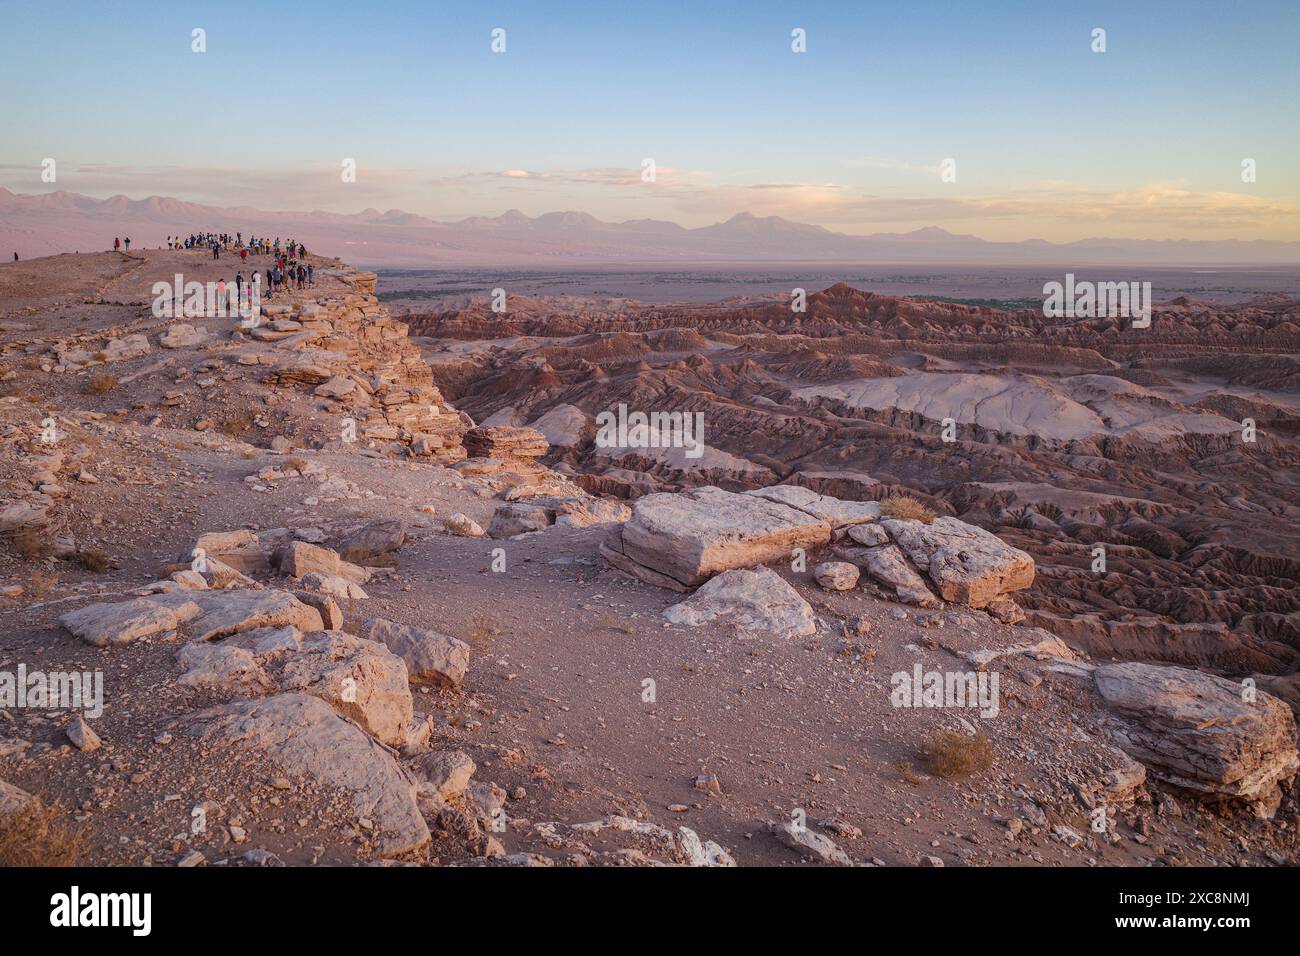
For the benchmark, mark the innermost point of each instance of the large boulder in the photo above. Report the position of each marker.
(223, 668)
(968, 565)
(305, 737)
(758, 602)
(431, 658)
(504, 442)
(513, 518)
(360, 679)
(241, 550)
(300, 558)
(372, 541)
(681, 540)
(1201, 733)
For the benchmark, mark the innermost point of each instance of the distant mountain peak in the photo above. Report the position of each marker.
(59, 221)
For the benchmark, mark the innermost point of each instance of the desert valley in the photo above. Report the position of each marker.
(365, 588)
(450, 444)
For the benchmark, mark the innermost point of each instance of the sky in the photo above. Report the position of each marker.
(1048, 139)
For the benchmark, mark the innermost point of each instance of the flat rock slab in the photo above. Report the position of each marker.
(834, 511)
(304, 736)
(681, 540)
(215, 614)
(126, 621)
(758, 602)
(968, 565)
(1195, 731)
(228, 612)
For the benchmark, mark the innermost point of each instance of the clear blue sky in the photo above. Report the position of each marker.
(847, 134)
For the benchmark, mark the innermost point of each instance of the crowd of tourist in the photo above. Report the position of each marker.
(288, 268)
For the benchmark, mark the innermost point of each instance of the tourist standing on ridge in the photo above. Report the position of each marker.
(311, 275)
(15, 257)
(128, 243)
(117, 244)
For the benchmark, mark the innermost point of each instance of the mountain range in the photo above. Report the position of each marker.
(44, 224)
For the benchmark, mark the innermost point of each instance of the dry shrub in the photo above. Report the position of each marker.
(950, 754)
(904, 768)
(19, 390)
(627, 627)
(297, 464)
(99, 384)
(483, 632)
(237, 423)
(907, 509)
(95, 560)
(37, 835)
(33, 544)
(41, 583)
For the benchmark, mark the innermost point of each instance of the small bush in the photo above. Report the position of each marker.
(37, 835)
(483, 632)
(99, 384)
(41, 583)
(95, 560)
(33, 544)
(237, 423)
(904, 768)
(297, 464)
(906, 509)
(950, 754)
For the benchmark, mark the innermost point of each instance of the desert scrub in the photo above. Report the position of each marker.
(37, 835)
(907, 509)
(483, 632)
(950, 754)
(99, 384)
(95, 560)
(41, 583)
(238, 423)
(33, 544)
(904, 768)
